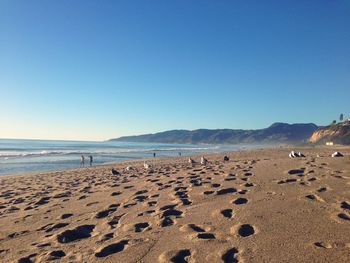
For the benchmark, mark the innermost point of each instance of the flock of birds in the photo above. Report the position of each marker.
(148, 167)
(294, 154)
(203, 161)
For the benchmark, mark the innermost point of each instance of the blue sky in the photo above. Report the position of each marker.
(92, 70)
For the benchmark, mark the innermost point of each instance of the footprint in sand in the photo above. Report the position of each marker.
(230, 256)
(181, 194)
(240, 201)
(166, 207)
(17, 234)
(43, 201)
(344, 216)
(80, 232)
(180, 256)
(140, 198)
(331, 245)
(312, 179)
(141, 192)
(56, 254)
(114, 221)
(148, 212)
(106, 237)
(322, 189)
(286, 181)
(27, 259)
(322, 245)
(296, 171)
(185, 201)
(227, 213)
(313, 197)
(226, 191)
(345, 205)
(112, 249)
(206, 236)
(243, 192)
(129, 205)
(227, 179)
(191, 228)
(42, 245)
(65, 216)
(92, 203)
(56, 226)
(152, 203)
(172, 212)
(104, 213)
(167, 221)
(140, 227)
(246, 230)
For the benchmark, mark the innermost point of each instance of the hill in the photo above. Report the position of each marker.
(276, 133)
(338, 133)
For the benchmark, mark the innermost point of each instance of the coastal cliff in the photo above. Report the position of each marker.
(338, 133)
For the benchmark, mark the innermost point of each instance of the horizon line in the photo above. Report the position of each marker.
(104, 140)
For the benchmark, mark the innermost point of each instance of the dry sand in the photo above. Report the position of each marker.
(260, 206)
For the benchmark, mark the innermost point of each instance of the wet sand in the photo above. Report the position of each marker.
(260, 206)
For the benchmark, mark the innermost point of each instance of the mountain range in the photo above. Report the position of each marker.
(276, 133)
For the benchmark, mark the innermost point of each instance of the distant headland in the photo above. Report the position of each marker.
(276, 133)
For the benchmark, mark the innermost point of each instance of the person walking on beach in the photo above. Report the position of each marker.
(91, 159)
(82, 161)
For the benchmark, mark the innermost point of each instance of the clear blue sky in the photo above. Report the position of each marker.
(101, 69)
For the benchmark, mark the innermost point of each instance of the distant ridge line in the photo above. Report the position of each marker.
(276, 133)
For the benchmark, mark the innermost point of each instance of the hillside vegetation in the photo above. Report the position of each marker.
(276, 133)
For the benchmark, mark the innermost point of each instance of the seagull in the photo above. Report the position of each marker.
(296, 154)
(204, 161)
(115, 172)
(146, 165)
(337, 154)
(129, 168)
(226, 158)
(191, 161)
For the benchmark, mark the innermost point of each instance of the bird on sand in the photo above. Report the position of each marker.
(204, 161)
(115, 172)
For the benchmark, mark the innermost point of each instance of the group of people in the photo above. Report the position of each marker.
(82, 160)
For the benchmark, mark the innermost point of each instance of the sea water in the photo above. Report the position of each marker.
(23, 156)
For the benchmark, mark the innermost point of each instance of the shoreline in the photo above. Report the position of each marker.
(41, 158)
(138, 160)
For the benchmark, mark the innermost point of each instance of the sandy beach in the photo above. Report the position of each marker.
(260, 206)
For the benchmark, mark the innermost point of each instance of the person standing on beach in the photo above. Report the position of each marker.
(154, 155)
(82, 161)
(91, 159)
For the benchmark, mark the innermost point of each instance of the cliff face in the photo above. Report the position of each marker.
(336, 133)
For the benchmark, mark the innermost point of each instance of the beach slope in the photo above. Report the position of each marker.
(260, 206)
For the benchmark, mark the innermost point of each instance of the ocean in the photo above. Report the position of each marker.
(23, 156)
